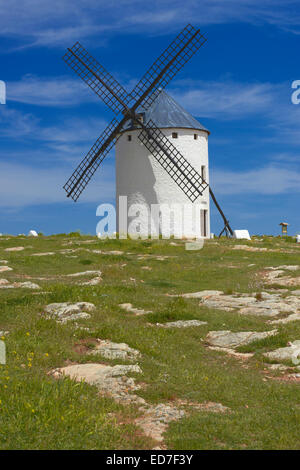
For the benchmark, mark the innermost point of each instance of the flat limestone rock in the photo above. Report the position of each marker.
(68, 311)
(291, 352)
(279, 291)
(278, 277)
(288, 319)
(3, 269)
(92, 282)
(15, 248)
(277, 367)
(112, 350)
(284, 266)
(227, 301)
(249, 248)
(26, 285)
(259, 311)
(199, 295)
(113, 252)
(129, 308)
(67, 251)
(267, 304)
(49, 253)
(110, 380)
(181, 324)
(228, 339)
(156, 418)
(5, 284)
(232, 352)
(3, 261)
(85, 273)
(210, 406)
(194, 245)
(289, 281)
(155, 257)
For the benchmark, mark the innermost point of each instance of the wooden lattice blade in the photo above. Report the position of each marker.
(86, 169)
(179, 52)
(178, 168)
(97, 78)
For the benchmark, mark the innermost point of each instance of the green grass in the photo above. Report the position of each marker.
(38, 412)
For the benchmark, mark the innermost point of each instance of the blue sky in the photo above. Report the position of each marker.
(238, 85)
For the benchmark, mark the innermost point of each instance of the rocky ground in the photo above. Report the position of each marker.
(176, 348)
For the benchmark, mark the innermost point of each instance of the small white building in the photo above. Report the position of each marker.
(143, 180)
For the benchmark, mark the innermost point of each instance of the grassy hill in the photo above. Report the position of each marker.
(39, 411)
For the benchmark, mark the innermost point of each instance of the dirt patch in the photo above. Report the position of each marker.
(290, 378)
(85, 345)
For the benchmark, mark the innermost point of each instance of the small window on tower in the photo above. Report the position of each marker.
(140, 117)
(129, 138)
(174, 135)
(195, 136)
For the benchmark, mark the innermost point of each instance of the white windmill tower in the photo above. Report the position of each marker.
(145, 183)
(159, 145)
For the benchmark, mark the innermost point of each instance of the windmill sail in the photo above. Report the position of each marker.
(178, 168)
(85, 170)
(167, 65)
(97, 78)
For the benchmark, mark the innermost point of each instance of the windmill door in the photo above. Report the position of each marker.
(203, 221)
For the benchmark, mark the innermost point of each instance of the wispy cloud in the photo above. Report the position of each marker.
(225, 99)
(15, 123)
(18, 124)
(52, 91)
(61, 91)
(36, 186)
(271, 180)
(221, 99)
(72, 130)
(55, 22)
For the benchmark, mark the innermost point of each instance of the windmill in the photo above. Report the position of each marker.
(177, 54)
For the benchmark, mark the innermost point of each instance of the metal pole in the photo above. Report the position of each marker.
(221, 212)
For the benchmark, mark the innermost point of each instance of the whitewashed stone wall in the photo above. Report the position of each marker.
(142, 179)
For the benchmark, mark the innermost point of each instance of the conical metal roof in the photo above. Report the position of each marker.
(166, 113)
